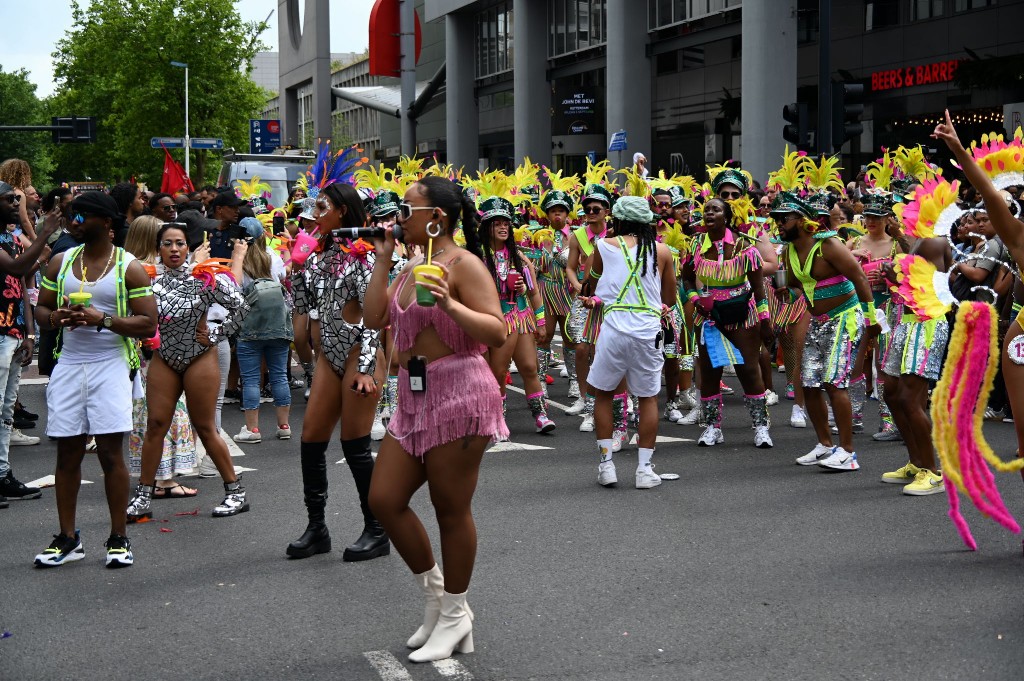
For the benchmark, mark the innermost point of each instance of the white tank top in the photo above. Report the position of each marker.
(85, 344)
(644, 319)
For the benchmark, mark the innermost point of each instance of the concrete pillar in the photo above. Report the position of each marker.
(532, 112)
(629, 79)
(768, 82)
(462, 113)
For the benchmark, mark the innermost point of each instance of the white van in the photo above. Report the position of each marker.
(280, 170)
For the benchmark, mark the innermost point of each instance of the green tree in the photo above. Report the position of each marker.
(22, 107)
(115, 64)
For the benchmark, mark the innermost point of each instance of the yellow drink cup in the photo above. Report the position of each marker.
(423, 295)
(80, 298)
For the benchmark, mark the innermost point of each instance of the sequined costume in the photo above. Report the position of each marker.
(916, 347)
(584, 324)
(830, 349)
(554, 285)
(725, 279)
(300, 285)
(333, 280)
(515, 308)
(182, 302)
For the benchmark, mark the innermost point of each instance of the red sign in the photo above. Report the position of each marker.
(385, 41)
(911, 76)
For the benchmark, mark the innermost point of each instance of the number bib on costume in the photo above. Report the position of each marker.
(1016, 349)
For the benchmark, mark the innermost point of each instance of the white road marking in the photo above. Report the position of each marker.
(452, 669)
(515, 446)
(551, 402)
(387, 665)
(42, 380)
(49, 481)
(663, 439)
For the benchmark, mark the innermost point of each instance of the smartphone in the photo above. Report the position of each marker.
(278, 224)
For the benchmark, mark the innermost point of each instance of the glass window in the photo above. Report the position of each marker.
(966, 5)
(494, 42)
(927, 9)
(881, 14)
(576, 25)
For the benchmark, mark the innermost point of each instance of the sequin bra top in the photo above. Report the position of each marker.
(406, 325)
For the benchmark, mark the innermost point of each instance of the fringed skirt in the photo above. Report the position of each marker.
(461, 399)
(557, 297)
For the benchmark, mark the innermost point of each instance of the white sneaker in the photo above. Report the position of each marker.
(816, 455)
(841, 460)
(688, 399)
(378, 430)
(728, 370)
(618, 439)
(246, 435)
(513, 368)
(798, 419)
(284, 432)
(564, 373)
(207, 469)
(588, 424)
(691, 419)
(672, 413)
(771, 398)
(710, 437)
(19, 439)
(646, 478)
(606, 474)
(574, 390)
(762, 439)
(577, 407)
(782, 368)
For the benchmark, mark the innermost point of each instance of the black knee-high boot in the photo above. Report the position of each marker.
(374, 541)
(314, 489)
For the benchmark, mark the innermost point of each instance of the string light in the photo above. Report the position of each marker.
(974, 117)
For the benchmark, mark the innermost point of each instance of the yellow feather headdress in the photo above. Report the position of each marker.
(790, 177)
(635, 184)
(879, 173)
(824, 176)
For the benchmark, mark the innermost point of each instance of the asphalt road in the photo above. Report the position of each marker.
(747, 567)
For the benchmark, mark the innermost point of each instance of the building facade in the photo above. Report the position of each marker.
(702, 81)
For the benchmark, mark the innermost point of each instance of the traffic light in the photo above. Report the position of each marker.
(795, 132)
(847, 108)
(82, 129)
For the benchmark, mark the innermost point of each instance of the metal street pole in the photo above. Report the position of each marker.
(188, 149)
(407, 42)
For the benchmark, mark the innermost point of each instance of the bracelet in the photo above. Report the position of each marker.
(762, 306)
(692, 296)
(869, 312)
(763, 315)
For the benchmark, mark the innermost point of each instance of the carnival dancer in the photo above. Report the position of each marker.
(450, 404)
(913, 359)
(554, 256)
(521, 302)
(661, 201)
(184, 292)
(875, 251)
(832, 282)
(786, 306)
(636, 284)
(732, 312)
(90, 389)
(348, 372)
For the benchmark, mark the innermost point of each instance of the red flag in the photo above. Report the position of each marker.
(175, 179)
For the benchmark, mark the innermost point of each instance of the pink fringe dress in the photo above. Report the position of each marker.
(462, 398)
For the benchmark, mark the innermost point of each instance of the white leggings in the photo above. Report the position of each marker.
(224, 361)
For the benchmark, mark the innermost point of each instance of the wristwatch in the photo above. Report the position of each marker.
(108, 322)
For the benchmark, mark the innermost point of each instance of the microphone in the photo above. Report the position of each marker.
(366, 232)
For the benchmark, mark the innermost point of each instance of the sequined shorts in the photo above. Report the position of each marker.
(917, 348)
(830, 350)
(584, 323)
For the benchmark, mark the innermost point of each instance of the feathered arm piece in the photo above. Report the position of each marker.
(923, 287)
(932, 209)
(791, 175)
(208, 270)
(824, 175)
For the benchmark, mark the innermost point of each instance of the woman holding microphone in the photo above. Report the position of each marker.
(449, 405)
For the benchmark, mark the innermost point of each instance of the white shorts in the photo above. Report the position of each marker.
(89, 399)
(618, 356)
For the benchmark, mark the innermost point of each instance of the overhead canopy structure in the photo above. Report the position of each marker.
(388, 98)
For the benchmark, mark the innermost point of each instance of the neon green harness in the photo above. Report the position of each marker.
(632, 282)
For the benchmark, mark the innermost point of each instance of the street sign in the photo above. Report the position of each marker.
(264, 135)
(206, 143)
(618, 141)
(169, 142)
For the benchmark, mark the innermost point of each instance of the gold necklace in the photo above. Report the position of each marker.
(106, 268)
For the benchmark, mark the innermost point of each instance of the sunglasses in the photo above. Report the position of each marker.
(168, 209)
(180, 243)
(593, 210)
(406, 210)
(730, 195)
(663, 204)
(11, 198)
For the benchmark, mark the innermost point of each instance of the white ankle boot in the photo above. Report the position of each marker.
(432, 584)
(453, 631)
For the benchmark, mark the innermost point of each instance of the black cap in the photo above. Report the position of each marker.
(228, 198)
(95, 203)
